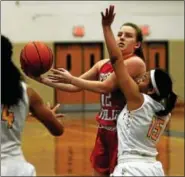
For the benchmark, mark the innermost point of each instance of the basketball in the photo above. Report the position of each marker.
(36, 58)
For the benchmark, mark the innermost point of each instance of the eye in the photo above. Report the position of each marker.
(128, 35)
(119, 34)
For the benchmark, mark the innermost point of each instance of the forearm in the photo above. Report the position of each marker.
(61, 86)
(94, 86)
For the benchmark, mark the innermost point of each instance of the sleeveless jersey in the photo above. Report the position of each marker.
(139, 130)
(111, 103)
(12, 124)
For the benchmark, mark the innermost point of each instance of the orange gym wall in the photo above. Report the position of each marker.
(176, 68)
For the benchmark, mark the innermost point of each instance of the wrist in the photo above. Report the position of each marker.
(71, 80)
(106, 26)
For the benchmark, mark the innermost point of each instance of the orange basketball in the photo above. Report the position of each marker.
(36, 58)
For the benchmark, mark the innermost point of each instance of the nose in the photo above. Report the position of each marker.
(122, 37)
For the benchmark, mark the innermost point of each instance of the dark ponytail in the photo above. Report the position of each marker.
(11, 77)
(169, 104)
(139, 53)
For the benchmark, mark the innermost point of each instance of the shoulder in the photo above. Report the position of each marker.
(135, 60)
(102, 62)
(150, 102)
(135, 66)
(33, 95)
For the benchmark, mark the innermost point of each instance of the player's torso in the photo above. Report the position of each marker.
(111, 103)
(140, 130)
(12, 124)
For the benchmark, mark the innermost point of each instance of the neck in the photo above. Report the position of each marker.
(127, 55)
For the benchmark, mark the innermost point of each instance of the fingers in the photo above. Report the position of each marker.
(106, 12)
(56, 81)
(111, 10)
(54, 76)
(102, 15)
(56, 71)
(113, 16)
(60, 115)
(61, 69)
(56, 107)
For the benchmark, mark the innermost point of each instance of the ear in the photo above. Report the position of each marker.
(151, 91)
(138, 44)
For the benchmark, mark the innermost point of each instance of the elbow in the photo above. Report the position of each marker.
(74, 89)
(58, 132)
(115, 58)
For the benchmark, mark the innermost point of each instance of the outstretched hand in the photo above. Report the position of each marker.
(54, 109)
(60, 75)
(108, 18)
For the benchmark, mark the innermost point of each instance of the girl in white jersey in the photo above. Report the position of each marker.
(16, 99)
(150, 100)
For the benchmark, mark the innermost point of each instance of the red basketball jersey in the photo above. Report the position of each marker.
(111, 103)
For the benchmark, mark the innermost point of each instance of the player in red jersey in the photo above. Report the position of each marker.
(101, 78)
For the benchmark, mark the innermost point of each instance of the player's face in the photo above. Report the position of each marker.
(143, 82)
(126, 40)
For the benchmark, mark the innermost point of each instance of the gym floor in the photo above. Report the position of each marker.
(68, 155)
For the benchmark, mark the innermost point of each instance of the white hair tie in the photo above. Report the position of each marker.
(152, 72)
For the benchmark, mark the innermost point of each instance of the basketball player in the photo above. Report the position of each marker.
(16, 99)
(143, 120)
(101, 78)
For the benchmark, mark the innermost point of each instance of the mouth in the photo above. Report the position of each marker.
(121, 45)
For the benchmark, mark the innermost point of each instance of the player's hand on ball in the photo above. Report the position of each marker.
(60, 75)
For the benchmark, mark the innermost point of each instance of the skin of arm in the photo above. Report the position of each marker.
(43, 114)
(89, 75)
(126, 83)
(133, 65)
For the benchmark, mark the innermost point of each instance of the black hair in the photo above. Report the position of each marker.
(139, 38)
(167, 97)
(11, 77)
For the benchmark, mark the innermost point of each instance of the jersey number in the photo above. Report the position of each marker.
(155, 128)
(105, 99)
(7, 116)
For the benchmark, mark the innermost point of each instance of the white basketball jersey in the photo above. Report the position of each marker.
(139, 130)
(12, 124)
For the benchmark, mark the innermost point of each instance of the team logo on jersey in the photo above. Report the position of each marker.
(8, 117)
(103, 76)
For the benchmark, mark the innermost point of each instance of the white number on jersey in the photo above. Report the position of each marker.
(155, 128)
(105, 99)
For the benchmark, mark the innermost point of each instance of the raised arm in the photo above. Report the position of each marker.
(126, 83)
